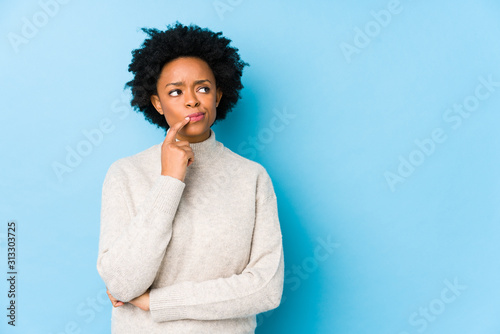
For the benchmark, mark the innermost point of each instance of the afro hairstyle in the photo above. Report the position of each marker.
(184, 41)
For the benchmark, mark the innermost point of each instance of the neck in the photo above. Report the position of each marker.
(205, 151)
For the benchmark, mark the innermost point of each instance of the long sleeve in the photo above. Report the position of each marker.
(257, 289)
(131, 248)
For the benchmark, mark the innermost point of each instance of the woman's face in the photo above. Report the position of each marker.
(186, 86)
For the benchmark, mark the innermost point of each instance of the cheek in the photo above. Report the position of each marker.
(210, 103)
(171, 110)
(213, 116)
(171, 115)
(214, 110)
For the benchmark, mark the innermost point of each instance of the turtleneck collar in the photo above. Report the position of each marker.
(205, 151)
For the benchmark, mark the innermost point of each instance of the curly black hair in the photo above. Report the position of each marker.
(184, 41)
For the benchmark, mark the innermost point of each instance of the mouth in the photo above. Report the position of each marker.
(197, 116)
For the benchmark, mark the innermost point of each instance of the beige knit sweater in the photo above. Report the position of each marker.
(210, 248)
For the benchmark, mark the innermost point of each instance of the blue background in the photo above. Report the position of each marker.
(397, 241)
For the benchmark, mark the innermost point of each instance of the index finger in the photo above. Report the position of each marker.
(172, 133)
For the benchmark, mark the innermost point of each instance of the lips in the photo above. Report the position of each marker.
(195, 114)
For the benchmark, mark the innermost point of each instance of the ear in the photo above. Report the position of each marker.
(155, 101)
(218, 97)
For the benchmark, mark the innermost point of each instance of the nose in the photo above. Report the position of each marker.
(191, 100)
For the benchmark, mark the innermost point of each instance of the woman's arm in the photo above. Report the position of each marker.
(131, 248)
(257, 289)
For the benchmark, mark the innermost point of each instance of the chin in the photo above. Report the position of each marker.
(196, 129)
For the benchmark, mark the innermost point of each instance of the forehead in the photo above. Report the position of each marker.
(186, 68)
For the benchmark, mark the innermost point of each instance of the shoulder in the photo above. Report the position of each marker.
(243, 164)
(131, 166)
(251, 171)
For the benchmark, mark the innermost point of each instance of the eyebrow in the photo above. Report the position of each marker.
(180, 83)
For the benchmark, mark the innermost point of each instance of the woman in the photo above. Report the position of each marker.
(190, 240)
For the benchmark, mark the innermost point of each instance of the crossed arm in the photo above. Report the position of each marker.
(128, 264)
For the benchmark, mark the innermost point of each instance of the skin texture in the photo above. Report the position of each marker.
(186, 85)
(179, 95)
(141, 302)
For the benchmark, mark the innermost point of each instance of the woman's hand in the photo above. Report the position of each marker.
(114, 301)
(176, 156)
(141, 302)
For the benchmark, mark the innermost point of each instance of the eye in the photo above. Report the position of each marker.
(175, 92)
(204, 89)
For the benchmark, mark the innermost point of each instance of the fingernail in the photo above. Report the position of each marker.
(187, 117)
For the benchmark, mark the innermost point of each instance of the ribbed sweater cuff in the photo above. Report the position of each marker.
(165, 304)
(167, 193)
